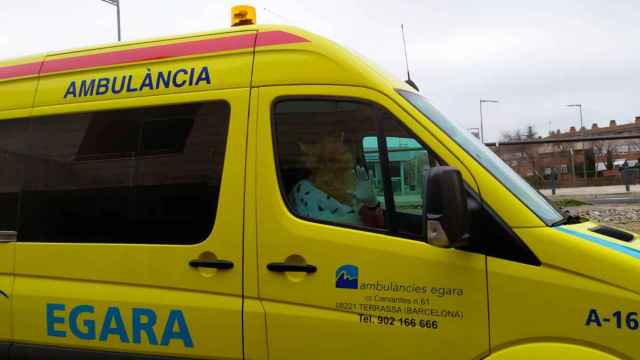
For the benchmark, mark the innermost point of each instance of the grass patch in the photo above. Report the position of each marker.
(570, 202)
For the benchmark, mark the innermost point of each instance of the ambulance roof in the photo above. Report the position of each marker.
(284, 55)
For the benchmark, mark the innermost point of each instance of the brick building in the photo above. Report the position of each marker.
(603, 157)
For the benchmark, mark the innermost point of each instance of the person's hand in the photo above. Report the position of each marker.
(364, 192)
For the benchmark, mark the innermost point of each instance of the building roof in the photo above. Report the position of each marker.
(613, 128)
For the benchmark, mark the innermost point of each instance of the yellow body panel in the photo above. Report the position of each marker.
(551, 350)
(254, 326)
(157, 277)
(320, 311)
(18, 93)
(7, 252)
(201, 311)
(508, 310)
(568, 298)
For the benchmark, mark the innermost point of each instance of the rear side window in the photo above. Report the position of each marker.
(12, 159)
(148, 175)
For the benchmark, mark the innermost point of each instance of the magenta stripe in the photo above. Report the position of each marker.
(19, 70)
(278, 38)
(229, 43)
(150, 53)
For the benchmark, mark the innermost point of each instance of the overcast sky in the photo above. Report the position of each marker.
(535, 57)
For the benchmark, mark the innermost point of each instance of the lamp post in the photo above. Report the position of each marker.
(584, 153)
(481, 125)
(573, 166)
(115, 3)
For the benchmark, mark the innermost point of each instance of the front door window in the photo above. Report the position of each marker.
(334, 169)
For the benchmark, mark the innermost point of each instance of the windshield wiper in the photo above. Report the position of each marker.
(569, 219)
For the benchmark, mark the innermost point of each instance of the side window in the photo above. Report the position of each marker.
(322, 164)
(408, 159)
(148, 175)
(334, 167)
(12, 158)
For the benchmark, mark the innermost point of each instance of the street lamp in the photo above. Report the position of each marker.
(579, 106)
(481, 125)
(115, 3)
(584, 153)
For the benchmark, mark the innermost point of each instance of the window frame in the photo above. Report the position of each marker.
(390, 210)
(527, 256)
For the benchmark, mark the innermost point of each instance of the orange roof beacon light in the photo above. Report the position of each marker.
(243, 15)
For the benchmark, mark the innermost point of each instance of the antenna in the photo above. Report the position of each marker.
(406, 59)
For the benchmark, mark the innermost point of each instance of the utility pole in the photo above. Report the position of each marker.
(116, 3)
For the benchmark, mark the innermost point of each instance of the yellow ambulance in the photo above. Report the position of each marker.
(263, 193)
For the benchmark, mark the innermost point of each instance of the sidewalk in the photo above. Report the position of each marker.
(595, 191)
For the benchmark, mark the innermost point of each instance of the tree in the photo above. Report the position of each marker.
(564, 150)
(609, 159)
(601, 152)
(530, 133)
(513, 135)
(590, 160)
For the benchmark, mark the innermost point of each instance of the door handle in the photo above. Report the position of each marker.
(284, 267)
(212, 264)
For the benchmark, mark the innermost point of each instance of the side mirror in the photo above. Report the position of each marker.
(445, 214)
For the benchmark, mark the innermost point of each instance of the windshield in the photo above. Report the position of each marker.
(487, 158)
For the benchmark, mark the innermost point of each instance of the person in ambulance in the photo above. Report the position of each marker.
(337, 189)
